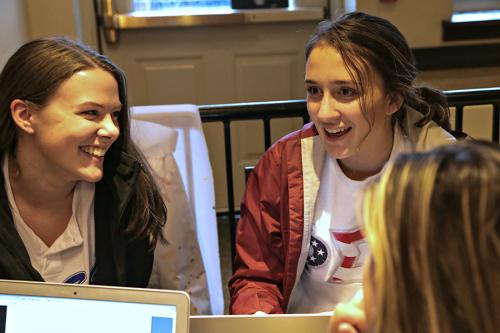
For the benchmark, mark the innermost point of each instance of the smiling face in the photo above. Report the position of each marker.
(72, 132)
(362, 141)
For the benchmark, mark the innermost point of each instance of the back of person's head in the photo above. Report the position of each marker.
(432, 223)
(367, 42)
(35, 72)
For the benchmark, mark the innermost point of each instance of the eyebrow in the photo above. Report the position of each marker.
(308, 81)
(93, 104)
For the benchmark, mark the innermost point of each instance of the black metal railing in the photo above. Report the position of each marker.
(265, 111)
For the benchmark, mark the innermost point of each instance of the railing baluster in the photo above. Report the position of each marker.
(496, 123)
(305, 119)
(230, 187)
(459, 117)
(267, 132)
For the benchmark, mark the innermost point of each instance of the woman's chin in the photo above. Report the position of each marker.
(339, 154)
(92, 176)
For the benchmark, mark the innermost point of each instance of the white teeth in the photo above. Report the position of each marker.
(335, 130)
(94, 151)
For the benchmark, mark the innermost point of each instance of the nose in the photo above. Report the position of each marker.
(108, 128)
(328, 109)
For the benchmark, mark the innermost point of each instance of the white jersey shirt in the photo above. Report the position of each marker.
(70, 259)
(337, 250)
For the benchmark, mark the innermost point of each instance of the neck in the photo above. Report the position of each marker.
(371, 156)
(28, 183)
(44, 205)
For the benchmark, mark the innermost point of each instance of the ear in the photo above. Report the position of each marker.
(395, 103)
(22, 115)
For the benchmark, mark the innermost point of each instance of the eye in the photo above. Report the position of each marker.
(116, 114)
(313, 92)
(90, 113)
(347, 92)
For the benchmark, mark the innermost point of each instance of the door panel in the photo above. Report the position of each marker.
(264, 77)
(177, 80)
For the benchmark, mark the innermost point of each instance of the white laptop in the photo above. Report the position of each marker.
(27, 307)
(279, 323)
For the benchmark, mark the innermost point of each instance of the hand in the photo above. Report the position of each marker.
(349, 317)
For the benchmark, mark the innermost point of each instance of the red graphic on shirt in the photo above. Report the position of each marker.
(348, 238)
(349, 253)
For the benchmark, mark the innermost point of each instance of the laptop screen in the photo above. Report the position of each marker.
(23, 313)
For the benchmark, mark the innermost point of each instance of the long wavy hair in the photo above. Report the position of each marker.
(367, 42)
(34, 73)
(433, 225)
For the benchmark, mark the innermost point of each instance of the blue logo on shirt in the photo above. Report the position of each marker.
(77, 278)
(80, 277)
(317, 253)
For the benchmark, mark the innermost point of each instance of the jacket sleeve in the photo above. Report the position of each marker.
(257, 282)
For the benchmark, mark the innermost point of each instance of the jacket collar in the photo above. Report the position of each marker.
(112, 196)
(121, 181)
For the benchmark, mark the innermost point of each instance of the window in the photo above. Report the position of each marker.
(141, 5)
(473, 20)
(179, 5)
(188, 13)
(475, 10)
(475, 5)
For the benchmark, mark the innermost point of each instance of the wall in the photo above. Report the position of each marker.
(419, 21)
(28, 19)
(75, 19)
(14, 28)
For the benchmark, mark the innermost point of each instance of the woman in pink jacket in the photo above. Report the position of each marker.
(298, 243)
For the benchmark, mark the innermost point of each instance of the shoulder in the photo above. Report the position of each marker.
(119, 180)
(290, 144)
(307, 131)
(125, 168)
(286, 151)
(293, 138)
(428, 136)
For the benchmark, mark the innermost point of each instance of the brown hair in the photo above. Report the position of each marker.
(432, 223)
(365, 41)
(34, 72)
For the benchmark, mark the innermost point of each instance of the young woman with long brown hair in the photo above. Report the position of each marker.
(299, 247)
